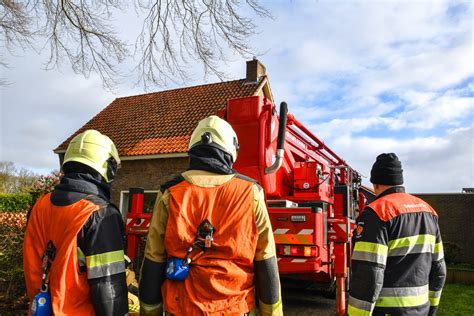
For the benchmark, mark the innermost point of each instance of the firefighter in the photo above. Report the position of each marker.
(87, 270)
(222, 216)
(398, 264)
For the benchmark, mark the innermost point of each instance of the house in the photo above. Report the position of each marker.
(152, 131)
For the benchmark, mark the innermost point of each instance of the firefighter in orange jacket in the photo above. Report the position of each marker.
(212, 222)
(87, 273)
(398, 263)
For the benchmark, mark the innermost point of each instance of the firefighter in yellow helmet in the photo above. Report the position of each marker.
(210, 243)
(81, 232)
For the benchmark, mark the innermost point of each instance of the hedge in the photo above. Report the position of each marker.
(13, 300)
(15, 202)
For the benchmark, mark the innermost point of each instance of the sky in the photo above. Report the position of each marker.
(366, 77)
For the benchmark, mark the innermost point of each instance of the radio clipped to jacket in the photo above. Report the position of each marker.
(41, 304)
(178, 268)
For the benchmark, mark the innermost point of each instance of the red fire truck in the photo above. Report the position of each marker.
(312, 194)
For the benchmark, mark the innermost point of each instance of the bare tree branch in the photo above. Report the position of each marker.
(175, 35)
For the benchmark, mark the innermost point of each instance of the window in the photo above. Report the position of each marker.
(148, 201)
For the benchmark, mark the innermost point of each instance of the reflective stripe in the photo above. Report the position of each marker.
(369, 251)
(404, 291)
(411, 241)
(360, 305)
(435, 297)
(403, 296)
(147, 308)
(354, 311)
(435, 294)
(105, 258)
(372, 247)
(106, 270)
(105, 264)
(271, 309)
(438, 253)
(81, 258)
(368, 256)
(419, 248)
(434, 301)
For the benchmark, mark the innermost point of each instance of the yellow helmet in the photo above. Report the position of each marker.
(95, 150)
(216, 132)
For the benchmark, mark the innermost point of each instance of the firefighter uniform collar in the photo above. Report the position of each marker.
(85, 183)
(394, 189)
(210, 159)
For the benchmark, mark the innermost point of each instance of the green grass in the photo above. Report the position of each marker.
(457, 299)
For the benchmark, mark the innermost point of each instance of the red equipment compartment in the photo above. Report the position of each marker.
(312, 181)
(299, 228)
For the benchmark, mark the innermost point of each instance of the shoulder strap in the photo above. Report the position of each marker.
(97, 200)
(248, 179)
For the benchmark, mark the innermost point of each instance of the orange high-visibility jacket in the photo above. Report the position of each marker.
(395, 204)
(68, 286)
(220, 279)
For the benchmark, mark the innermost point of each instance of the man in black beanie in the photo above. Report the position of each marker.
(398, 263)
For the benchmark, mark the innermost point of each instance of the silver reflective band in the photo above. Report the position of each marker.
(403, 251)
(106, 270)
(150, 308)
(435, 294)
(360, 304)
(404, 291)
(369, 256)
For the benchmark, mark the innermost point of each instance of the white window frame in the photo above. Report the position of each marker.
(122, 210)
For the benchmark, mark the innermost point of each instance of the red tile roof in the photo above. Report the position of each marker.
(162, 122)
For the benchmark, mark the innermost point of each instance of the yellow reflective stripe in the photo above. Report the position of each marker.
(271, 309)
(80, 254)
(402, 301)
(411, 241)
(435, 296)
(105, 258)
(361, 306)
(434, 301)
(354, 311)
(438, 248)
(364, 246)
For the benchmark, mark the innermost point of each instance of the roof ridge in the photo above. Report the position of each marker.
(183, 88)
(147, 124)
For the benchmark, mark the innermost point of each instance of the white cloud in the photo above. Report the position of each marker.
(431, 164)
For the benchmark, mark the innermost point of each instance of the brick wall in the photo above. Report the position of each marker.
(148, 174)
(456, 221)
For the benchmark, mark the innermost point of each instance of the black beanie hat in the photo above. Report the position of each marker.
(387, 170)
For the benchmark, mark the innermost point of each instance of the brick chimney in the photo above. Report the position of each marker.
(255, 70)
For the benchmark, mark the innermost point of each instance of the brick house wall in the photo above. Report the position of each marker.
(146, 173)
(456, 221)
